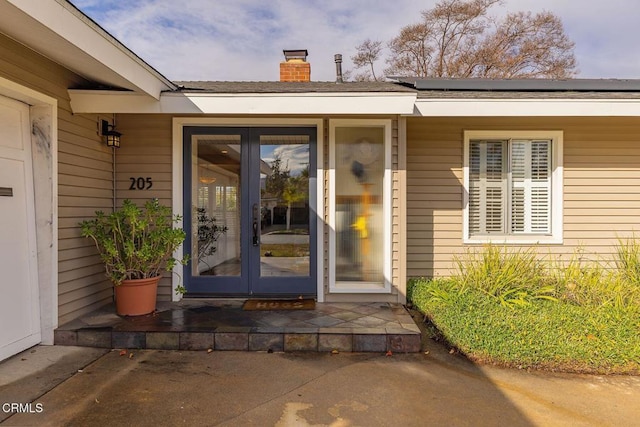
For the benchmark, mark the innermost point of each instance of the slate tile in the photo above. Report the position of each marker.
(163, 340)
(403, 343)
(232, 341)
(121, 339)
(300, 342)
(369, 343)
(196, 340)
(100, 338)
(266, 342)
(65, 337)
(340, 342)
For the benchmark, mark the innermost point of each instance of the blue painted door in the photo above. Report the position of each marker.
(250, 217)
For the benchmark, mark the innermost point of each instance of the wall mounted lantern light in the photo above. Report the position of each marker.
(112, 135)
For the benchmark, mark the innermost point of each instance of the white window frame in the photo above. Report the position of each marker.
(361, 286)
(557, 142)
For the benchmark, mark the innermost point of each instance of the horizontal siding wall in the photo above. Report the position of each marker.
(84, 178)
(327, 207)
(601, 186)
(145, 152)
(395, 212)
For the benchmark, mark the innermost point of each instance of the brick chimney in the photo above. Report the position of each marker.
(295, 67)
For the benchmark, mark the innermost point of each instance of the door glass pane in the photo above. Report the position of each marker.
(359, 204)
(215, 184)
(284, 205)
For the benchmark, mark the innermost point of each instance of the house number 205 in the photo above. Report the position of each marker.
(140, 183)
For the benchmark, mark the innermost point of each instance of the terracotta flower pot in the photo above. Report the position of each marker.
(137, 297)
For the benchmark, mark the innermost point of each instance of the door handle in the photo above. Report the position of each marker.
(256, 241)
(256, 210)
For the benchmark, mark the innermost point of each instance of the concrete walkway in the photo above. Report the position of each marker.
(155, 387)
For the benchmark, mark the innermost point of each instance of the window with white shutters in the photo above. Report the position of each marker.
(487, 187)
(509, 187)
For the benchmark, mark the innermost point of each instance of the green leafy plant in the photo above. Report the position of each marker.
(509, 307)
(594, 283)
(628, 260)
(512, 277)
(435, 290)
(134, 242)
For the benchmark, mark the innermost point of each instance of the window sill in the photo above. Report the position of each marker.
(514, 240)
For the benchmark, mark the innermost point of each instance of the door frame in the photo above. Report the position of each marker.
(21, 200)
(43, 121)
(179, 123)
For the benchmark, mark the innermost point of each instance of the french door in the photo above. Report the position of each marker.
(250, 217)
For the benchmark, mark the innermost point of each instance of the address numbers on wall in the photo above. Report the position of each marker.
(140, 183)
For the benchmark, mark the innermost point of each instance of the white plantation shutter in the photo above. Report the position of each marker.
(487, 187)
(525, 189)
(520, 170)
(530, 187)
(540, 186)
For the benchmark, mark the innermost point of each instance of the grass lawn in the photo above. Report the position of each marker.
(510, 310)
(543, 335)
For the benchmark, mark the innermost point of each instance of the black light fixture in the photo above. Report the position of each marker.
(113, 136)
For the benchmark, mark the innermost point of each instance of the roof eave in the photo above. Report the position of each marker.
(502, 107)
(59, 31)
(521, 85)
(366, 103)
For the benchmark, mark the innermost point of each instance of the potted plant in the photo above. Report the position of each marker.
(136, 245)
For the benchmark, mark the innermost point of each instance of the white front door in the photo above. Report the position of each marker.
(19, 299)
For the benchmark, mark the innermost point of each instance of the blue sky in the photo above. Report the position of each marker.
(244, 39)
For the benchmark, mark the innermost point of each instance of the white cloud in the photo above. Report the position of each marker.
(243, 39)
(294, 157)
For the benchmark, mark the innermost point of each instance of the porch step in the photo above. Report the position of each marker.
(223, 325)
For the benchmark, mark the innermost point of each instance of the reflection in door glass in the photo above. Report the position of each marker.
(215, 186)
(284, 205)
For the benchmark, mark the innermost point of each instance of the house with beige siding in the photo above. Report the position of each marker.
(335, 191)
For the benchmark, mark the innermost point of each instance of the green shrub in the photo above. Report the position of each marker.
(432, 291)
(628, 260)
(579, 316)
(512, 277)
(595, 284)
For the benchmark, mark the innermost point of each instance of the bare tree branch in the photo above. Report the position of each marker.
(367, 53)
(458, 38)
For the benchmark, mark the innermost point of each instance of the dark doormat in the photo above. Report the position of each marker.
(279, 304)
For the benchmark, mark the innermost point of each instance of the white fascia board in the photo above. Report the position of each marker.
(89, 101)
(304, 103)
(60, 32)
(527, 107)
(104, 101)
